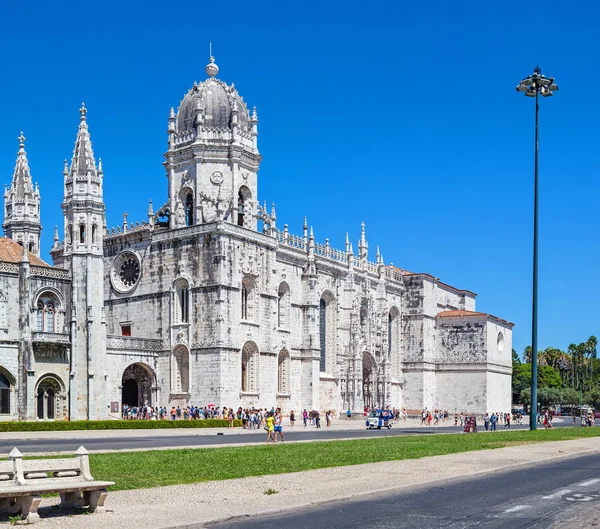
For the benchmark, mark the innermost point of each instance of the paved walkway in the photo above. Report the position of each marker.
(191, 506)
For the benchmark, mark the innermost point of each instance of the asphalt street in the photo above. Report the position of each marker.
(533, 497)
(298, 433)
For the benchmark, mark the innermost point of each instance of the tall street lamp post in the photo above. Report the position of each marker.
(534, 86)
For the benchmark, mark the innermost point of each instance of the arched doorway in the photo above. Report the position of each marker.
(369, 380)
(50, 397)
(130, 393)
(137, 385)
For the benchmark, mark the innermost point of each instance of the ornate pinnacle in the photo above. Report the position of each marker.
(21, 139)
(83, 111)
(66, 168)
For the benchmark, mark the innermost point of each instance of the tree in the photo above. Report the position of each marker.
(527, 353)
(548, 396)
(515, 358)
(525, 396)
(592, 398)
(570, 396)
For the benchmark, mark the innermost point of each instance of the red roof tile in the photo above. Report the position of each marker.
(12, 252)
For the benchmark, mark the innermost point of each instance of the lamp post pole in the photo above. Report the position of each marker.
(533, 86)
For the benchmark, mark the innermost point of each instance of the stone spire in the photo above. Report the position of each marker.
(22, 183)
(56, 238)
(83, 161)
(22, 205)
(363, 245)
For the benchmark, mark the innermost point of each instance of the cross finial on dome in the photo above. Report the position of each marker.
(21, 139)
(83, 111)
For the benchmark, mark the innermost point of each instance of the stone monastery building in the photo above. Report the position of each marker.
(211, 300)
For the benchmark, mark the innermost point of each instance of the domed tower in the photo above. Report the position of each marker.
(213, 156)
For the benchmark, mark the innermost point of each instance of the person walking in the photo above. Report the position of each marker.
(278, 425)
(328, 418)
(317, 419)
(493, 421)
(270, 427)
(292, 418)
(305, 417)
(486, 422)
(348, 414)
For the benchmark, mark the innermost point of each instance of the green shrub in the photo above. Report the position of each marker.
(59, 426)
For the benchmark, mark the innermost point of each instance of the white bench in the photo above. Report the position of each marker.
(22, 483)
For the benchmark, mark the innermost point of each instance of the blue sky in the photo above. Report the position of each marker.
(402, 115)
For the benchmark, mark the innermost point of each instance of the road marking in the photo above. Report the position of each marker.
(516, 508)
(581, 497)
(557, 494)
(588, 483)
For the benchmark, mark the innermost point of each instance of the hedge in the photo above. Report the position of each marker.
(42, 426)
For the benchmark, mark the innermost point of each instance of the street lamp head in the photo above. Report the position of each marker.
(537, 83)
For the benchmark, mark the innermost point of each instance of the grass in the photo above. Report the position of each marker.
(133, 470)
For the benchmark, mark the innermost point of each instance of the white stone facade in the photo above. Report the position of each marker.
(209, 301)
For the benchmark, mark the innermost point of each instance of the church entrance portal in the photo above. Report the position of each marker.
(137, 385)
(130, 392)
(369, 380)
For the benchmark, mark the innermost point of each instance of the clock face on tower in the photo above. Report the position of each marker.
(125, 272)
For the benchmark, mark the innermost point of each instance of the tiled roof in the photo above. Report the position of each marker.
(461, 313)
(472, 314)
(12, 252)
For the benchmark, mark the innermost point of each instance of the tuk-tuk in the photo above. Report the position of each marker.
(378, 419)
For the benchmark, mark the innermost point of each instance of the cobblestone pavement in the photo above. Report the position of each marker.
(191, 506)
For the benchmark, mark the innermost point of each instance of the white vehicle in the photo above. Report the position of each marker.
(378, 419)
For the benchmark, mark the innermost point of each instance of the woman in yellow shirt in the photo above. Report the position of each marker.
(270, 429)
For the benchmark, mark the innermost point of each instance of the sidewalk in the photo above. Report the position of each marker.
(191, 506)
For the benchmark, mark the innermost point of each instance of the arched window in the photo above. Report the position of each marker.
(31, 246)
(249, 299)
(82, 233)
(394, 352)
(70, 234)
(46, 308)
(283, 373)
(181, 302)
(180, 369)
(49, 317)
(250, 368)
(283, 306)
(244, 217)
(94, 234)
(49, 397)
(189, 210)
(323, 334)
(4, 394)
(327, 332)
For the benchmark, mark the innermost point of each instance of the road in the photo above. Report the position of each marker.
(122, 441)
(540, 497)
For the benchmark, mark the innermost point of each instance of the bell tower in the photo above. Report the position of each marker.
(22, 205)
(213, 159)
(83, 210)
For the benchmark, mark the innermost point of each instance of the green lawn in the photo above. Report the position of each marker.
(132, 470)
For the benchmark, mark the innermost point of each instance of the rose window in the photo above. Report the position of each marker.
(125, 272)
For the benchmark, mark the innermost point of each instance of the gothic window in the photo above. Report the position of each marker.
(323, 333)
(394, 341)
(49, 317)
(181, 302)
(249, 299)
(30, 248)
(69, 234)
(283, 306)
(327, 332)
(180, 369)
(250, 367)
(283, 373)
(189, 210)
(94, 234)
(82, 233)
(4, 394)
(244, 214)
(46, 308)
